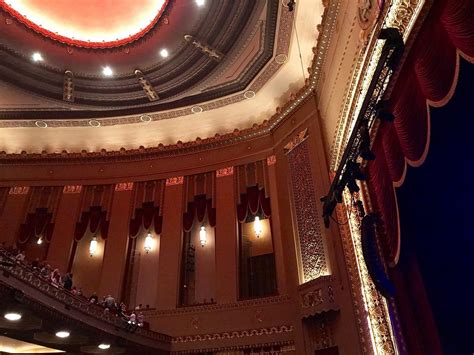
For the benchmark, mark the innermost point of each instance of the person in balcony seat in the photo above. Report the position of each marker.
(56, 278)
(140, 319)
(67, 281)
(94, 299)
(35, 264)
(20, 257)
(109, 302)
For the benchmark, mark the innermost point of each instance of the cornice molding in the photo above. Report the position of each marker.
(233, 334)
(265, 301)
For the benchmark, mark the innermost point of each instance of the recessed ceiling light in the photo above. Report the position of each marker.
(104, 346)
(107, 71)
(164, 53)
(200, 2)
(62, 334)
(12, 316)
(37, 57)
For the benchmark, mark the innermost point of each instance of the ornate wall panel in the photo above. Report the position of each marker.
(311, 246)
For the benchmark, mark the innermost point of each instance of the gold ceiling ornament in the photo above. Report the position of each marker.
(72, 189)
(18, 190)
(229, 171)
(205, 48)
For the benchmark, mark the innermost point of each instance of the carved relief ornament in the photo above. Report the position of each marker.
(225, 172)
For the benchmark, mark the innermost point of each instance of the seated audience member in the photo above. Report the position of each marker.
(35, 263)
(94, 299)
(140, 319)
(45, 271)
(56, 277)
(109, 302)
(122, 311)
(67, 282)
(20, 256)
(132, 322)
(79, 291)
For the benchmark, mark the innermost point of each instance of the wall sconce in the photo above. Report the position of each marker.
(202, 236)
(148, 242)
(257, 226)
(39, 241)
(93, 246)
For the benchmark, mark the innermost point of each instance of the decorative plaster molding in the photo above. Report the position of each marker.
(271, 160)
(282, 347)
(296, 140)
(235, 334)
(18, 190)
(225, 172)
(178, 180)
(261, 302)
(306, 207)
(72, 189)
(317, 296)
(124, 186)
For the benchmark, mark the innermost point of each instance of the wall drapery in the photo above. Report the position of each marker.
(428, 76)
(253, 203)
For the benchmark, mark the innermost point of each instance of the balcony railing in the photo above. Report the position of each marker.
(32, 277)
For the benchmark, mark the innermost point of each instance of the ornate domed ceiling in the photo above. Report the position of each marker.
(111, 74)
(88, 23)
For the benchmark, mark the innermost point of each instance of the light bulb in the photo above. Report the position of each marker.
(257, 226)
(62, 334)
(148, 243)
(13, 316)
(202, 236)
(107, 71)
(37, 57)
(93, 246)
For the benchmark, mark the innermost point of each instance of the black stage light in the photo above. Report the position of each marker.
(354, 170)
(352, 186)
(364, 149)
(382, 112)
(291, 5)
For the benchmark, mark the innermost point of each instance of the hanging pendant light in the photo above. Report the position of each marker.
(148, 243)
(93, 246)
(257, 226)
(202, 236)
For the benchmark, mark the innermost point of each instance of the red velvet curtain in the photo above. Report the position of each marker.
(81, 226)
(427, 74)
(147, 216)
(96, 220)
(197, 210)
(37, 224)
(253, 202)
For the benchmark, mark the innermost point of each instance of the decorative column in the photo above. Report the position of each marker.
(277, 242)
(170, 244)
(62, 240)
(226, 237)
(14, 208)
(115, 256)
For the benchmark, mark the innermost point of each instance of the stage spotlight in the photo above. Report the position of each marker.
(291, 5)
(364, 149)
(354, 171)
(382, 112)
(352, 186)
